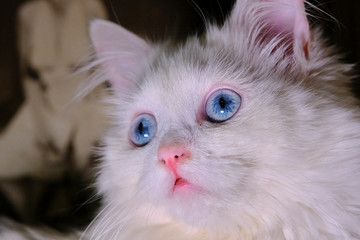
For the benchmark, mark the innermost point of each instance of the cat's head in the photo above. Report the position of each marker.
(203, 132)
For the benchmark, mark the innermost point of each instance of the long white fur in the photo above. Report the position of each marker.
(286, 166)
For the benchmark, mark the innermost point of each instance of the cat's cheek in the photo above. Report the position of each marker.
(155, 185)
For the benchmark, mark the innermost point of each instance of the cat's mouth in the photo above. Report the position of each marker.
(180, 182)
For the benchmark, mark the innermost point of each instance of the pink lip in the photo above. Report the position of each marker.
(180, 182)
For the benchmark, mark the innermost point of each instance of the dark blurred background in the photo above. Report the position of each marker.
(159, 19)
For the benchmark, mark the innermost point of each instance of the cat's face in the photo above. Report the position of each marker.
(190, 142)
(202, 130)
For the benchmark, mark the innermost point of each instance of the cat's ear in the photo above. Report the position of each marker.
(274, 18)
(122, 53)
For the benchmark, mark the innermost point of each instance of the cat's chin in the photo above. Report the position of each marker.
(188, 206)
(186, 203)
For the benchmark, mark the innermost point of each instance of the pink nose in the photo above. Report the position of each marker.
(172, 155)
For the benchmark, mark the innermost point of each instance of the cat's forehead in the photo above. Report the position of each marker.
(179, 82)
(175, 89)
(184, 79)
(192, 68)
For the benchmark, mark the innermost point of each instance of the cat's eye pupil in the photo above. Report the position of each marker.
(222, 104)
(140, 128)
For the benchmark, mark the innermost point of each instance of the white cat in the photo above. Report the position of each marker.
(249, 132)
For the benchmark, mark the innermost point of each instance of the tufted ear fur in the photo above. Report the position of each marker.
(269, 19)
(122, 53)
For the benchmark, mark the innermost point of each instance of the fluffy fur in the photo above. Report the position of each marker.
(286, 166)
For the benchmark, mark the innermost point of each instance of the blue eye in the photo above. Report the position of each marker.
(143, 129)
(222, 104)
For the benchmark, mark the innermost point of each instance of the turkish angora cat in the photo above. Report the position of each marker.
(249, 132)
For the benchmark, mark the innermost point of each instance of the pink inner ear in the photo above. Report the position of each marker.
(288, 17)
(122, 53)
